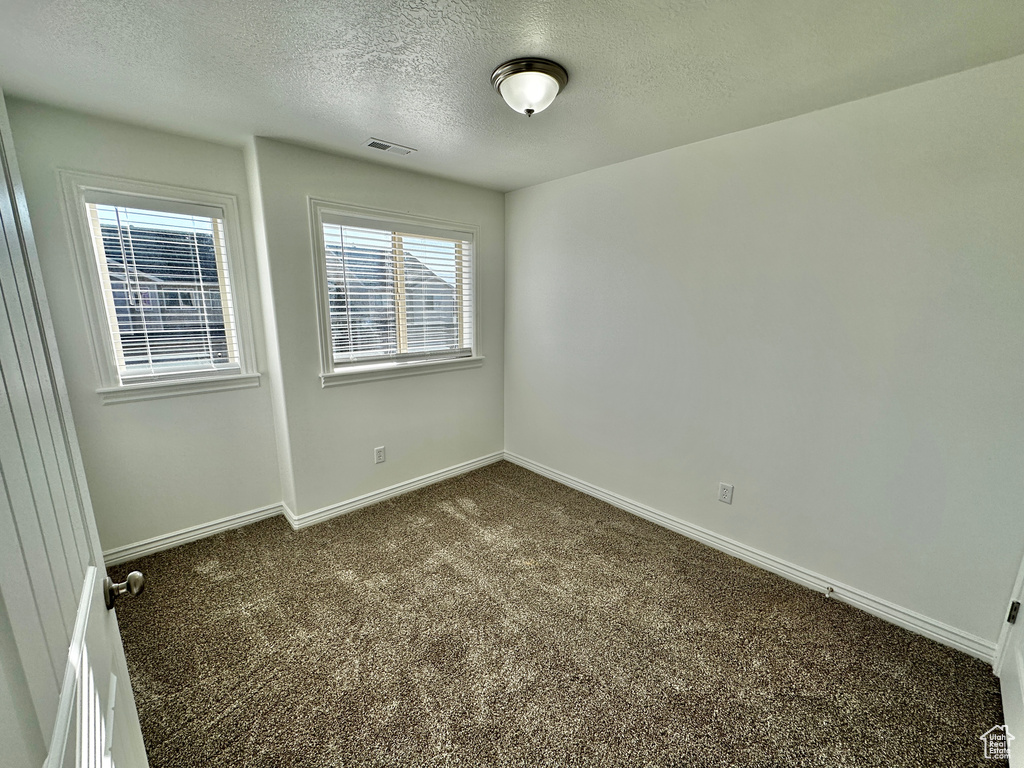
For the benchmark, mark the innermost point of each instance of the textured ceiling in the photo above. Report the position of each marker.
(644, 76)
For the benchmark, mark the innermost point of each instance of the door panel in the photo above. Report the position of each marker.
(34, 603)
(51, 565)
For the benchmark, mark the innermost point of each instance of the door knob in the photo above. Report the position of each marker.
(133, 585)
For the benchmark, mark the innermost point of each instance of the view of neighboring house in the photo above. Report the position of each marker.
(430, 306)
(165, 289)
(166, 294)
(365, 296)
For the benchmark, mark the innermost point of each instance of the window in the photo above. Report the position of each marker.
(395, 294)
(161, 288)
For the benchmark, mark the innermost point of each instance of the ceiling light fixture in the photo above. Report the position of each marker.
(529, 85)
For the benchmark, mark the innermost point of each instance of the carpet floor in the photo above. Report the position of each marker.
(502, 619)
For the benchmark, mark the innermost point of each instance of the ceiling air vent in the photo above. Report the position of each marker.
(388, 146)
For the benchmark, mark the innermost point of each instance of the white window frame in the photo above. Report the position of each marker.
(76, 188)
(332, 375)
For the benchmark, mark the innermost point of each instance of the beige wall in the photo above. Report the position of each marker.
(427, 422)
(154, 466)
(826, 312)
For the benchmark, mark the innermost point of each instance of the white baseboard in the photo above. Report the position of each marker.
(904, 617)
(325, 513)
(196, 532)
(168, 540)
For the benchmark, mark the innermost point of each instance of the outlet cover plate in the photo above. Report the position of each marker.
(725, 493)
(378, 455)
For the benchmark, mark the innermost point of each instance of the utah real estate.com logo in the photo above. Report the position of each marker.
(997, 743)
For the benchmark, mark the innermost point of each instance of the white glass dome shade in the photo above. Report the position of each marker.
(529, 85)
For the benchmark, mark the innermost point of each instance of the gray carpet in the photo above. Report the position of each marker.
(501, 619)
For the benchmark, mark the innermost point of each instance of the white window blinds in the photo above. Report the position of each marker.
(397, 295)
(166, 287)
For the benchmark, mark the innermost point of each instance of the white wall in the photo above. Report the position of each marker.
(826, 311)
(427, 422)
(155, 466)
(158, 466)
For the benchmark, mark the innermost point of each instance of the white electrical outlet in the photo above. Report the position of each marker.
(378, 455)
(725, 493)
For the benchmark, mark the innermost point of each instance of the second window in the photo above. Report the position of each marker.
(395, 292)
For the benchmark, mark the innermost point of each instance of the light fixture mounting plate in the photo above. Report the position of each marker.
(530, 64)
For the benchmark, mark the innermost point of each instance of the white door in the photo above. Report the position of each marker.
(1010, 668)
(67, 698)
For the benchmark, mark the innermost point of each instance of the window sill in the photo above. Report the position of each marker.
(358, 374)
(156, 390)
